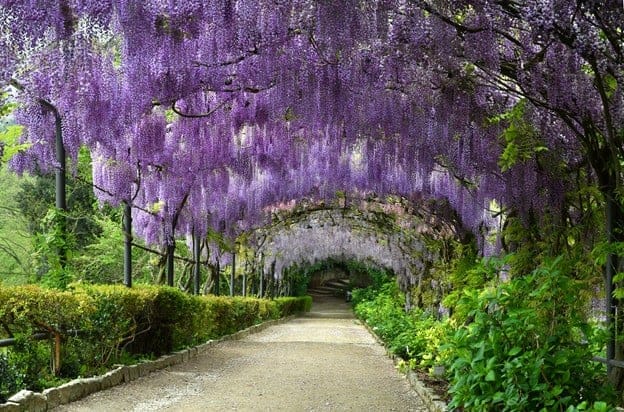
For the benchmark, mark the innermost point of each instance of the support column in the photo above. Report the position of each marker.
(245, 283)
(197, 259)
(127, 226)
(610, 269)
(61, 202)
(233, 274)
(170, 254)
(60, 179)
(217, 279)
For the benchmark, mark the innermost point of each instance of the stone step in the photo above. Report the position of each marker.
(329, 315)
(326, 292)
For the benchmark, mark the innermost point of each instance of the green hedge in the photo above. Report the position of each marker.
(99, 325)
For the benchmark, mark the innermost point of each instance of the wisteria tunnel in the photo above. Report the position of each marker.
(394, 234)
(471, 149)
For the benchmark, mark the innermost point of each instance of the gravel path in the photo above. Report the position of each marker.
(325, 361)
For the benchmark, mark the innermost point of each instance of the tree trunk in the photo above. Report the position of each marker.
(170, 266)
(162, 269)
(244, 287)
(57, 354)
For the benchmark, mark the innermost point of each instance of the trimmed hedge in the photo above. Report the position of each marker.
(148, 319)
(99, 325)
(26, 308)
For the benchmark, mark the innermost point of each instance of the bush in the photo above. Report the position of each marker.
(11, 380)
(385, 314)
(121, 316)
(114, 321)
(30, 360)
(378, 280)
(290, 305)
(24, 308)
(156, 320)
(413, 335)
(522, 348)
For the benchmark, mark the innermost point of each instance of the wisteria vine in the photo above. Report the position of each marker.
(204, 115)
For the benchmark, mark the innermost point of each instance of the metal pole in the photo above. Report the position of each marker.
(261, 288)
(61, 202)
(59, 174)
(127, 226)
(609, 289)
(245, 283)
(196, 258)
(233, 274)
(170, 253)
(217, 285)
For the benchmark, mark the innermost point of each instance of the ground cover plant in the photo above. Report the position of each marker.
(521, 345)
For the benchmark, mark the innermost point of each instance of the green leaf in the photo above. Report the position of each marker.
(514, 351)
(9, 139)
(520, 140)
(600, 406)
(580, 407)
(618, 293)
(610, 84)
(618, 277)
(556, 391)
(498, 397)
(490, 377)
(480, 352)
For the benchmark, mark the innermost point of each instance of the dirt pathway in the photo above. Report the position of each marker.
(325, 361)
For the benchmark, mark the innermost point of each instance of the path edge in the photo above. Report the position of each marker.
(79, 388)
(432, 401)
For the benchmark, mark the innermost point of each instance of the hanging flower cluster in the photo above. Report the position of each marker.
(204, 114)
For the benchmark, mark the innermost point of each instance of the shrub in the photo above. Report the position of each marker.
(114, 321)
(378, 281)
(30, 360)
(122, 316)
(291, 305)
(11, 379)
(415, 336)
(24, 308)
(383, 310)
(523, 348)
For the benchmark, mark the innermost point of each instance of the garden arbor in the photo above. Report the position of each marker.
(403, 237)
(203, 115)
